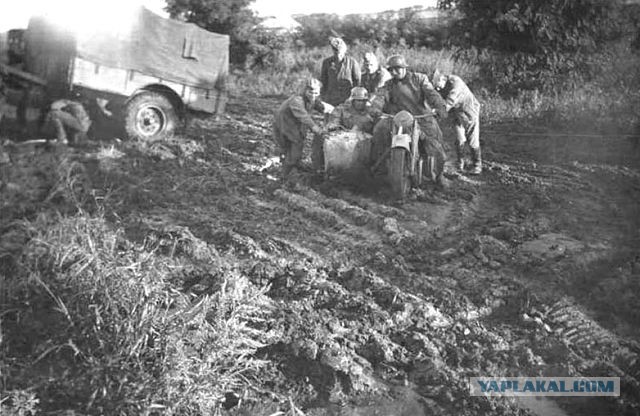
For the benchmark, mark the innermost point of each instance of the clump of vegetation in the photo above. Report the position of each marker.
(93, 321)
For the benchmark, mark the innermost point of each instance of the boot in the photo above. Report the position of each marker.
(460, 155)
(476, 156)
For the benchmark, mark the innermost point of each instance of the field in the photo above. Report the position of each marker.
(184, 278)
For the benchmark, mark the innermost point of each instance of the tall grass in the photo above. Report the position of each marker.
(103, 327)
(291, 66)
(605, 98)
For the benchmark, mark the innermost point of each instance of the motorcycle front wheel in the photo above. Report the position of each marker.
(399, 174)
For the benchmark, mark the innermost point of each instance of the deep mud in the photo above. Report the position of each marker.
(386, 308)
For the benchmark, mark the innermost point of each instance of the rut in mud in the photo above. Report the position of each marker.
(532, 269)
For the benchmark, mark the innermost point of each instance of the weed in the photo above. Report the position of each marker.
(109, 311)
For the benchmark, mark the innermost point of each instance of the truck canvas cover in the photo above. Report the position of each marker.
(167, 49)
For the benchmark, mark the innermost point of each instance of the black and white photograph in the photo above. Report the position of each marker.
(363, 208)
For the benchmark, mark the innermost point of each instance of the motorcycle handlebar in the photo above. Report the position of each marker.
(386, 116)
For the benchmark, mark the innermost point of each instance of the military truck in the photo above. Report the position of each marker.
(154, 70)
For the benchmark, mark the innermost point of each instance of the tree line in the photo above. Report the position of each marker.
(520, 44)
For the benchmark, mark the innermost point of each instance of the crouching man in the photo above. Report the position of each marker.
(292, 121)
(465, 109)
(70, 121)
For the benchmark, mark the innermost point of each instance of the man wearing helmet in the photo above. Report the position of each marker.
(292, 121)
(339, 74)
(408, 90)
(412, 92)
(354, 114)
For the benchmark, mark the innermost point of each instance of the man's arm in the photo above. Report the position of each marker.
(322, 107)
(324, 77)
(431, 96)
(356, 75)
(380, 100)
(302, 115)
(384, 77)
(456, 92)
(60, 104)
(335, 119)
(102, 106)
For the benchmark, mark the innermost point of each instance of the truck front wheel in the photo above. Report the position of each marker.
(150, 116)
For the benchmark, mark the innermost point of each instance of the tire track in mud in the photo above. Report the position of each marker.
(374, 296)
(390, 297)
(592, 348)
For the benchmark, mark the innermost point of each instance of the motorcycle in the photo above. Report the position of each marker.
(406, 165)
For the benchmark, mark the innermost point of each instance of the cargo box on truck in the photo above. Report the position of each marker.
(156, 68)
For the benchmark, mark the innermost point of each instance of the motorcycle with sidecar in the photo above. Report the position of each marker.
(403, 157)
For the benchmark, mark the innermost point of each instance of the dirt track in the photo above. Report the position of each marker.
(532, 269)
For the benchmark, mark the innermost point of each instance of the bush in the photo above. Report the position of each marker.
(291, 66)
(407, 26)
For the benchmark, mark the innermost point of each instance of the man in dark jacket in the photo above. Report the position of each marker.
(292, 121)
(339, 74)
(412, 92)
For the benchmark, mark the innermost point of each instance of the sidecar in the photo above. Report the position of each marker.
(346, 152)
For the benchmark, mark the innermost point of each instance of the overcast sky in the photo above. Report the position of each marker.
(16, 13)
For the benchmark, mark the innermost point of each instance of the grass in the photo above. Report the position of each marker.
(104, 325)
(98, 323)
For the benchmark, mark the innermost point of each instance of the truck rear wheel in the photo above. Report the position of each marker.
(150, 116)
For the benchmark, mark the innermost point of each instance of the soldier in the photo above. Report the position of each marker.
(339, 74)
(69, 118)
(409, 91)
(292, 121)
(465, 109)
(353, 114)
(374, 76)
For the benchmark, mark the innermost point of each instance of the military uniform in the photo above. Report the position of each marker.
(72, 116)
(465, 109)
(413, 93)
(373, 82)
(292, 121)
(345, 115)
(338, 77)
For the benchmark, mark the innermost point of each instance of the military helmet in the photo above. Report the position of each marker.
(397, 61)
(359, 93)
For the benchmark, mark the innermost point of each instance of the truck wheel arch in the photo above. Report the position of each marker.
(166, 91)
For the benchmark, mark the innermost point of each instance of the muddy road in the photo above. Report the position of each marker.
(386, 308)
